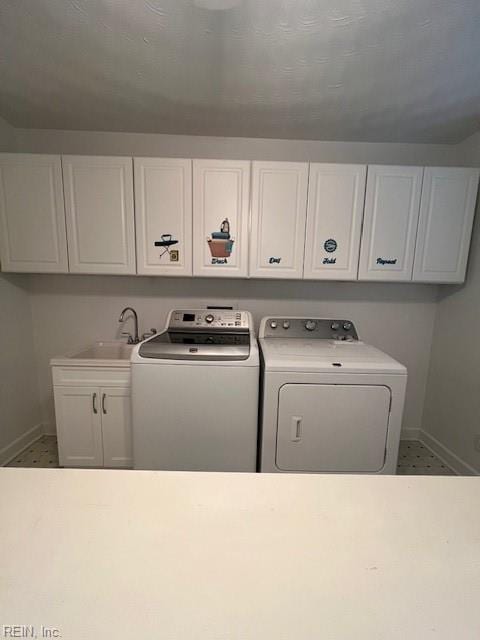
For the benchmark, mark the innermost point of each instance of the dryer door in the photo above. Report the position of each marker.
(332, 427)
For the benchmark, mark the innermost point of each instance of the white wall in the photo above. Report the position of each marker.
(71, 311)
(84, 142)
(452, 407)
(7, 136)
(19, 406)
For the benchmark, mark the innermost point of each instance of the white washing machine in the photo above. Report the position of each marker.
(195, 393)
(330, 403)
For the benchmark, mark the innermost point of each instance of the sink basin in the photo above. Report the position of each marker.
(103, 353)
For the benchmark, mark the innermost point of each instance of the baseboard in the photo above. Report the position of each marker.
(447, 456)
(50, 429)
(19, 444)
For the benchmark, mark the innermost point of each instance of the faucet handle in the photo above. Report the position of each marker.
(129, 336)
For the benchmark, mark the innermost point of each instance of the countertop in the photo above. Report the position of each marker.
(170, 555)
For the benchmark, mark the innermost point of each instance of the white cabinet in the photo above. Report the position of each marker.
(93, 416)
(32, 214)
(79, 427)
(163, 212)
(220, 217)
(444, 229)
(99, 208)
(336, 194)
(279, 207)
(392, 205)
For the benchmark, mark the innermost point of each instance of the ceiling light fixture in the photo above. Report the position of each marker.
(216, 5)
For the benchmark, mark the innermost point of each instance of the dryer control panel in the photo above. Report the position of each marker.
(315, 328)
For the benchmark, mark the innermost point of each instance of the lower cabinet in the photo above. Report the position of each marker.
(94, 426)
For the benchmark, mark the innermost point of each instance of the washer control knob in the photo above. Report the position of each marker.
(273, 324)
(286, 324)
(310, 325)
(335, 326)
(209, 318)
(347, 326)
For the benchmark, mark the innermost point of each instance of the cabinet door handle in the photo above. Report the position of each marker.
(94, 403)
(296, 429)
(103, 403)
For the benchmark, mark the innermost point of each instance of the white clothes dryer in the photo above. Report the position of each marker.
(330, 403)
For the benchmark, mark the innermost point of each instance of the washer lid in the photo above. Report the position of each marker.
(324, 356)
(197, 345)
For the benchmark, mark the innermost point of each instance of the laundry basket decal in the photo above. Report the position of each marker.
(221, 244)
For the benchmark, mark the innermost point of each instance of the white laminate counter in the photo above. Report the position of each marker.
(130, 554)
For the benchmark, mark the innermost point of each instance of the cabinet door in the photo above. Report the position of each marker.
(392, 205)
(99, 206)
(336, 194)
(220, 217)
(445, 225)
(116, 427)
(32, 214)
(79, 428)
(163, 210)
(279, 207)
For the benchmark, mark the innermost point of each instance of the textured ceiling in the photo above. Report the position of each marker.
(390, 70)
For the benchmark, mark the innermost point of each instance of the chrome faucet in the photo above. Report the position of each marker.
(131, 339)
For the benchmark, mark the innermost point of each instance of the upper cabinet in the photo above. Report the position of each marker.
(445, 225)
(32, 214)
(99, 208)
(336, 194)
(163, 212)
(392, 205)
(220, 217)
(279, 207)
(234, 218)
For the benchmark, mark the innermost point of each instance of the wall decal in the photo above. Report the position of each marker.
(166, 242)
(330, 245)
(221, 244)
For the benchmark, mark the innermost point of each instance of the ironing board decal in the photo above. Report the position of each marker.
(165, 243)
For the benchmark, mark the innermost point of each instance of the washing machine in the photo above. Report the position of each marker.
(330, 403)
(195, 393)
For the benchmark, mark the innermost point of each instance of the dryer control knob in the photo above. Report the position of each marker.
(310, 325)
(347, 326)
(273, 324)
(286, 324)
(335, 326)
(209, 318)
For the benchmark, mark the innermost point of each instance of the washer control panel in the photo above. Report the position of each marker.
(208, 319)
(316, 328)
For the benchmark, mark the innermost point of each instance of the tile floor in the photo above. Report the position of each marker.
(414, 458)
(42, 453)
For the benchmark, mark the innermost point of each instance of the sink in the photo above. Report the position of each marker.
(104, 353)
